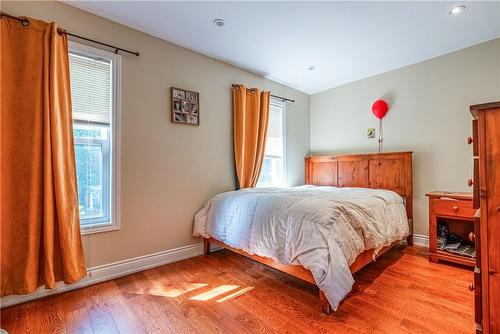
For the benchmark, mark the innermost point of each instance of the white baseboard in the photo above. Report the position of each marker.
(112, 270)
(421, 240)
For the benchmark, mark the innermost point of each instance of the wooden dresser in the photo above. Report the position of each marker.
(486, 198)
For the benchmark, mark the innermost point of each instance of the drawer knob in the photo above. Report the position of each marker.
(455, 208)
(470, 183)
(470, 140)
(471, 287)
(472, 236)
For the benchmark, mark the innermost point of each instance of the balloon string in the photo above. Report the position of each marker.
(380, 136)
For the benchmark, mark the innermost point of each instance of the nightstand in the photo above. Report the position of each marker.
(451, 216)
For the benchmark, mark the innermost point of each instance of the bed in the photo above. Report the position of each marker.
(352, 209)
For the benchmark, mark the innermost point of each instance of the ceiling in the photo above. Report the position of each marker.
(345, 41)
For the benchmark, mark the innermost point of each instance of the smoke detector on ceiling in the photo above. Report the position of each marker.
(219, 22)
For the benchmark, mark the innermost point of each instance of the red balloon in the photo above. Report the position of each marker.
(380, 108)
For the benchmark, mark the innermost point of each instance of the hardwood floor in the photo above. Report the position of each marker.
(226, 293)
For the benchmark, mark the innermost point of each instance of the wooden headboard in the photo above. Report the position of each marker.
(391, 171)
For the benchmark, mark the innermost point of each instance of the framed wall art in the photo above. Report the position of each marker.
(185, 106)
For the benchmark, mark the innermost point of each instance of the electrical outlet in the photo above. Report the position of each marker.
(370, 133)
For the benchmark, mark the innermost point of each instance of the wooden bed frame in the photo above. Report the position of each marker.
(392, 171)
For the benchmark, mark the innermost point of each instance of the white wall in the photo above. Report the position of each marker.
(169, 170)
(429, 116)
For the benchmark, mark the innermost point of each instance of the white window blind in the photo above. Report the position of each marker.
(91, 88)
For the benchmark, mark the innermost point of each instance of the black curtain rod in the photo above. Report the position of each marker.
(276, 96)
(25, 22)
(282, 98)
(62, 31)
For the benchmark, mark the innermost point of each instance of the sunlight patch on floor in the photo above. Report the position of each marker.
(235, 294)
(214, 292)
(161, 291)
(184, 288)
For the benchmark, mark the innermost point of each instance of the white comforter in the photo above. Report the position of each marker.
(322, 228)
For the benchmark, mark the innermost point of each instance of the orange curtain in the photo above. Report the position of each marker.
(40, 227)
(251, 113)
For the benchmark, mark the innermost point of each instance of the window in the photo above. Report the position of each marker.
(94, 91)
(274, 164)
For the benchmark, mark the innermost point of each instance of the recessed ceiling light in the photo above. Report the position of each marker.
(457, 10)
(311, 68)
(219, 22)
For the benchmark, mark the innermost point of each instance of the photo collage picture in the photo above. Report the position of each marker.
(185, 106)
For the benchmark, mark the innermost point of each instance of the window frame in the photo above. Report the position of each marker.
(113, 223)
(282, 105)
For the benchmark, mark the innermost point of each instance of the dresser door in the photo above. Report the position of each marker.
(492, 194)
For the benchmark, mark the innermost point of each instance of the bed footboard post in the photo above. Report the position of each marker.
(326, 308)
(409, 240)
(206, 246)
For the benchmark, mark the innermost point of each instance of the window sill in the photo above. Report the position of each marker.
(98, 228)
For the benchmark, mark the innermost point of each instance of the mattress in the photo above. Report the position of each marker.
(323, 229)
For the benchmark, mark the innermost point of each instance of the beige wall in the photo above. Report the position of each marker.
(429, 115)
(168, 171)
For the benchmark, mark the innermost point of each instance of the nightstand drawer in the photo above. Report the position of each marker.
(454, 208)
